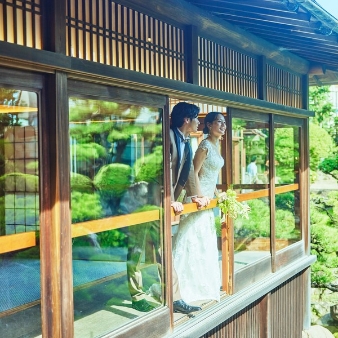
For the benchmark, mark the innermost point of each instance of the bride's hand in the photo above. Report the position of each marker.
(201, 201)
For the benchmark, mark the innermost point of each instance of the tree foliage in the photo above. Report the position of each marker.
(324, 237)
(320, 104)
(321, 145)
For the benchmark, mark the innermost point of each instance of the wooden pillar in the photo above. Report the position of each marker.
(54, 25)
(191, 54)
(305, 92)
(55, 230)
(227, 230)
(261, 81)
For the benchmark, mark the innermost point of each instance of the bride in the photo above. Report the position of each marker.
(195, 245)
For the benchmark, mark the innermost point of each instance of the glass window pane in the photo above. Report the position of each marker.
(250, 149)
(116, 204)
(20, 313)
(288, 228)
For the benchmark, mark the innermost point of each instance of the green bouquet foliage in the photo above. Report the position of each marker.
(227, 202)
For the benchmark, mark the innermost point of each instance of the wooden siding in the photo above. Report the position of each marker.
(283, 87)
(278, 314)
(245, 324)
(225, 69)
(112, 34)
(287, 303)
(20, 22)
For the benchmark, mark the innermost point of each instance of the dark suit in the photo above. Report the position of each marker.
(176, 168)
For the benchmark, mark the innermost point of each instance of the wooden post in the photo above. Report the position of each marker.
(305, 92)
(191, 54)
(261, 83)
(55, 230)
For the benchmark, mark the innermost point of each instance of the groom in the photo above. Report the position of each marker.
(184, 120)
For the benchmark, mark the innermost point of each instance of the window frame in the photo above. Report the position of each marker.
(238, 280)
(161, 318)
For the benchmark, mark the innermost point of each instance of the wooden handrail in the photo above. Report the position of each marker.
(192, 207)
(25, 240)
(115, 222)
(20, 241)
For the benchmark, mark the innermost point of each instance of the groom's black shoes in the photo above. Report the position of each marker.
(182, 307)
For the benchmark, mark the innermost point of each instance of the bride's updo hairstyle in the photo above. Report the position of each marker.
(209, 118)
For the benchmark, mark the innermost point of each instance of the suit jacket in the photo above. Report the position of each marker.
(176, 188)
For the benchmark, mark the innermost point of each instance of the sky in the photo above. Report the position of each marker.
(330, 5)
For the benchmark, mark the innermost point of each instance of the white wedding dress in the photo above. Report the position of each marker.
(195, 250)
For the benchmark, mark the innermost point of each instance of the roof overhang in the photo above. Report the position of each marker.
(300, 27)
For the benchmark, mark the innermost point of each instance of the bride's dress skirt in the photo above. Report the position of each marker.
(195, 257)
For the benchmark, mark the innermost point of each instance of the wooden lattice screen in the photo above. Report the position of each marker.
(21, 22)
(283, 87)
(225, 69)
(109, 33)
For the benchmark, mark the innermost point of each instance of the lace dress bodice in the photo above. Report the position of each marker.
(210, 169)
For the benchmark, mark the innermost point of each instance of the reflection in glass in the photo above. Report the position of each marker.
(287, 174)
(250, 174)
(116, 202)
(19, 215)
(250, 152)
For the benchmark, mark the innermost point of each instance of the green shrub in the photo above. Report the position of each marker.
(324, 244)
(328, 165)
(285, 201)
(81, 183)
(112, 180)
(88, 151)
(285, 225)
(85, 207)
(112, 238)
(150, 168)
(15, 182)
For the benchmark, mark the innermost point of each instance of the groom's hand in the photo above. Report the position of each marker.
(177, 206)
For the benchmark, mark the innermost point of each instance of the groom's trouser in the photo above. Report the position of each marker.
(136, 246)
(137, 235)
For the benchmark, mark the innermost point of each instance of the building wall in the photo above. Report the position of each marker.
(109, 51)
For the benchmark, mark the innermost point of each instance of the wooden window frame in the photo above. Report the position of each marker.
(162, 318)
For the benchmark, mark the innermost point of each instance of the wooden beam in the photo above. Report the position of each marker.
(87, 71)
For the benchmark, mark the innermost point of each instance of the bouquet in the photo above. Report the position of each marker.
(227, 202)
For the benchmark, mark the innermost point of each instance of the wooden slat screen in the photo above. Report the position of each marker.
(109, 33)
(288, 302)
(283, 87)
(225, 69)
(20, 22)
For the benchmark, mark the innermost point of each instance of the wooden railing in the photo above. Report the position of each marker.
(25, 240)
